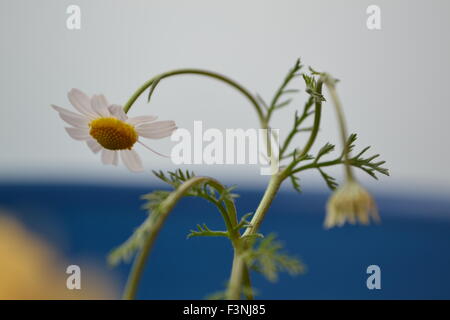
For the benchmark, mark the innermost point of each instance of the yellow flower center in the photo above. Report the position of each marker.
(113, 134)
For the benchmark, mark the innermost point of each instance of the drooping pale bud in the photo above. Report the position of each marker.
(350, 203)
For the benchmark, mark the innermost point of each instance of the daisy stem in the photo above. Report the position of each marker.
(140, 260)
(237, 277)
(241, 268)
(278, 178)
(206, 73)
(238, 272)
(312, 136)
(266, 201)
(331, 86)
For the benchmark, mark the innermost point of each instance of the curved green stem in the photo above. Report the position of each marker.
(239, 271)
(314, 131)
(295, 130)
(206, 73)
(316, 125)
(234, 234)
(237, 277)
(247, 283)
(330, 83)
(166, 207)
(271, 190)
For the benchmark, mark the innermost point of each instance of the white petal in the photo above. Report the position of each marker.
(78, 121)
(94, 145)
(117, 111)
(157, 125)
(131, 159)
(157, 134)
(65, 111)
(72, 118)
(81, 102)
(156, 130)
(100, 105)
(108, 156)
(141, 119)
(116, 158)
(79, 133)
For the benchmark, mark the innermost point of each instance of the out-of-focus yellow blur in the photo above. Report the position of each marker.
(31, 269)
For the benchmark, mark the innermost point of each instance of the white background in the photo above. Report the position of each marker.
(394, 82)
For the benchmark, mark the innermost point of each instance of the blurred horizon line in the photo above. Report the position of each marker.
(245, 179)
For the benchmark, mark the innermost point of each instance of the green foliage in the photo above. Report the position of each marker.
(298, 120)
(296, 128)
(298, 158)
(154, 199)
(243, 223)
(267, 258)
(204, 231)
(152, 89)
(174, 178)
(295, 181)
(126, 251)
(261, 254)
(368, 164)
(326, 149)
(205, 190)
(277, 101)
(155, 203)
(312, 88)
(329, 180)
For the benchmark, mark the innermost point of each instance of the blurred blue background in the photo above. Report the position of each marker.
(410, 246)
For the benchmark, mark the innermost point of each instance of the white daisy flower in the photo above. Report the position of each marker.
(107, 129)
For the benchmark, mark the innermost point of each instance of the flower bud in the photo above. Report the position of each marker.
(350, 203)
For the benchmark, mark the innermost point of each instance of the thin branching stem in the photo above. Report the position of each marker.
(240, 277)
(206, 73)
(272, 189)
(165, 208)
(312, 136)
(296, 130)
(331, 86)
(140, 260)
